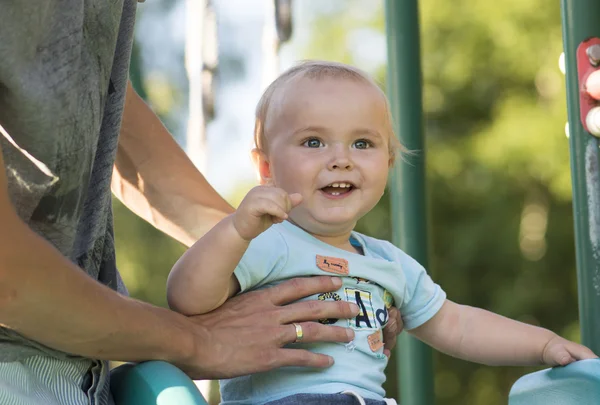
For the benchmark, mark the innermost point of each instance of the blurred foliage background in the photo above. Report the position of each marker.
(498, 171)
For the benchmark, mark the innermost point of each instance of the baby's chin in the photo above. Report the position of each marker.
(324, 226)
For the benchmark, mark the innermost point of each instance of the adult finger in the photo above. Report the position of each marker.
(313, 310)
(315, 332)
(393, 328)
(300, 287)
(389, 334)
(395, 315)
(302, 358)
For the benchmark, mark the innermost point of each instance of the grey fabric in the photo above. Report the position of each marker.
(63, 74)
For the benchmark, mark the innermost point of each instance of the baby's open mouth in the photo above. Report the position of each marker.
(338, 188)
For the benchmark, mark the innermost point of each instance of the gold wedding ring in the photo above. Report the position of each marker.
(299, 333)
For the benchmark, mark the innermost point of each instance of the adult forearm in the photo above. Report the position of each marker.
(48, 299)
(155, 179)
(201, 280)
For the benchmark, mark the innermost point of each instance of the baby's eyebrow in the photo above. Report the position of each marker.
(311, 128)
(323, 130)
(367, 131)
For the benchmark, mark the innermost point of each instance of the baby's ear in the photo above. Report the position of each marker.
(261, 162)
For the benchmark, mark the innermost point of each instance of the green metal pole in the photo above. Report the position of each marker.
(581, 20)
(409, 208)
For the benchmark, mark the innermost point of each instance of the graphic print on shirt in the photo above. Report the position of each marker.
(369, 317)
(388, 299)
(332, 264)
(329, 296)
(366, 316)
(360, 280)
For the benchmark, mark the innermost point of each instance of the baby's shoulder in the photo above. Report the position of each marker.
(386, 250)
(378, 247)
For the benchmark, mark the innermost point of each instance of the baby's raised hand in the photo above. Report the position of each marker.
(262, 207)
(560, 352)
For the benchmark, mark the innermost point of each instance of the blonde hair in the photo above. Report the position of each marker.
(317, 69)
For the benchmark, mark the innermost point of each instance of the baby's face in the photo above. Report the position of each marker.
(328, 140)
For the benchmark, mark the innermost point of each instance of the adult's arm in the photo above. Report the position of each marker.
(47, 298)
(155, 179)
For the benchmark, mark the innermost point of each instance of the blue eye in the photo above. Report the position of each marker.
(312, 143)
(362, 144)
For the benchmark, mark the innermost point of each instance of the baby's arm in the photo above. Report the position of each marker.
(202, 279)
(481, 336)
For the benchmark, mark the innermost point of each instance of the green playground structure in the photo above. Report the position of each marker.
(153, 383)
(579, 383)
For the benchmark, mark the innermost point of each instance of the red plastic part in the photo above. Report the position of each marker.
(584, 70)
(592, 84)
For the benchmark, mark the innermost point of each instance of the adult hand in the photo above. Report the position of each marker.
(391, 331)
(247, 334)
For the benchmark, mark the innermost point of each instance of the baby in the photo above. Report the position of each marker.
(324, 146)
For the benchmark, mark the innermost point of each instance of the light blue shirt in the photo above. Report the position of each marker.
(383, 276)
